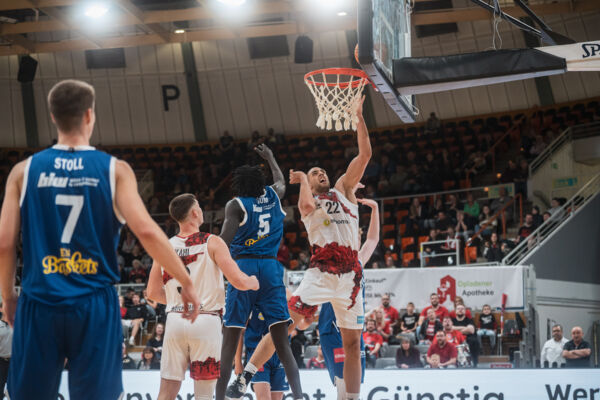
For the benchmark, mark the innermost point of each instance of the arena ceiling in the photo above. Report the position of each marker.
(42, 26)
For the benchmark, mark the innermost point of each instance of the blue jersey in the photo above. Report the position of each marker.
(262, 227)
(69, 224)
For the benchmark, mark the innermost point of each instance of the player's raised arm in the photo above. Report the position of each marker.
(372, 240)
(156, 290)
(130, 205)
(306, 201)
(10, 224)
(219, 252)
(357, 166)
(234, 215)
(278, 180)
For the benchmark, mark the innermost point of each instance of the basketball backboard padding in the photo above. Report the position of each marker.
(417, 75)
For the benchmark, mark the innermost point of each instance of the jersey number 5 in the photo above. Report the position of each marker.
(76, 204)
(263, 225)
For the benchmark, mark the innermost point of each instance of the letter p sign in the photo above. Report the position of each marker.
(169, 92)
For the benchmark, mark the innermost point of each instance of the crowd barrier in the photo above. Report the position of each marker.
(493, 384)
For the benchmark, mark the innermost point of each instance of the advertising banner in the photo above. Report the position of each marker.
(510, 384)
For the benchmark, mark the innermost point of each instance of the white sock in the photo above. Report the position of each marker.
(352, 396)
(251, 368)
(341, 388)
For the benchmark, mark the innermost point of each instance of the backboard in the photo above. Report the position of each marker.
(383, 36)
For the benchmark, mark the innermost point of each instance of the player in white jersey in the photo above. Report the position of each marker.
(198, 344)
(335, 274)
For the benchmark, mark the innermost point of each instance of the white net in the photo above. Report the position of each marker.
(337, 96)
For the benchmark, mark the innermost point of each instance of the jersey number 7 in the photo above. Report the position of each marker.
(76, 204)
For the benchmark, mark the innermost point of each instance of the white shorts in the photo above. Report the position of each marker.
(195, 345)
(343, 291)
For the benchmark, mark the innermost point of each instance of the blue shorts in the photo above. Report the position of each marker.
(87, 334)
(272, 373)
(270, 298)
(333, 353)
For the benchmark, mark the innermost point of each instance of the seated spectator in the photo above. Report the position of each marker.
(138, 273)
(390, 314)
(537, 217)
(492, 250)
(429, 327)
(551, 356)
(464, 226)
(500, 202)
(148, 360)
(408, 323)
(156, 341)
(487, 326)
(442, 223)
(373, 342)
(408, 356)
(134, 317)
(433, 125)
(317, 362)
(389, 262)
(487, 222)
(434, 362)
(382, 325)
(471, 208)
(128, 300)
(526, 229)
(129, 242)
(122, 306)
(577, 351)
(452, 207)
(466, 326)
(440, 311)
(128, 362)
(283, 255)
(445, 350)
(459, 301)
(452, 335)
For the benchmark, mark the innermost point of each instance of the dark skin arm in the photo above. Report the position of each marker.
(234, 215)
(278, 180)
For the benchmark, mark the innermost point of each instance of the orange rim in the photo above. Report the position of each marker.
(357, 73)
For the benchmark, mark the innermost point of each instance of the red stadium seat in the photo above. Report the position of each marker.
(407, 242)
(407, 258)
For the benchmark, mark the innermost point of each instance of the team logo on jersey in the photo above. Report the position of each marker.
(52, 181)
(338, 355)
(69, 263)
(252, 242)
(327, 222)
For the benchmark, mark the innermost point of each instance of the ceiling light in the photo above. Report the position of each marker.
(342, 13)
(96, 10)
(179, 31)
(232, 2)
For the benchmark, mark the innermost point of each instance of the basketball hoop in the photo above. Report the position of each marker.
(337, 92)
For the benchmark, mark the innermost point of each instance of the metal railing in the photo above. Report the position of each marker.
(456, 242)
(537, 237)
(572, 132)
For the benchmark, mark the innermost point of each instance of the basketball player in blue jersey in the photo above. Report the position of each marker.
(253, 228)
(269, 382)
(331, 338)
(69, 203)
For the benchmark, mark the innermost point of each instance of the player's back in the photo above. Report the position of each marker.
(261, 229)
(69, 224)
(204, 272)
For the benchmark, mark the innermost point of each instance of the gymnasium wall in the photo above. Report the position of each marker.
(242, 95)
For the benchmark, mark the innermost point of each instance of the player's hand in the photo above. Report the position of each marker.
(191, 302)
(368, 202)
(252, 283)
(264, 151)
(359, 106)
(9, 307)
(296, 176)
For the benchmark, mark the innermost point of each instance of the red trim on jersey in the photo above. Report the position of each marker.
(166, 277)
(334, 258)
(189, 259)
(205, 370)
(197, 238)
(333, 197)
(295, 304)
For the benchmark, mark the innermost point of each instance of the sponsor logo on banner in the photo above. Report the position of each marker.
(590, 49)
(447, 289)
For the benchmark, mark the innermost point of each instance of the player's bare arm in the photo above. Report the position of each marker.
(10, 224)
(306, 201)
(372, 240)
(219, 252)
(234, 215)
(130, 205)
(156, 290)
(357, 166)
(278, 180)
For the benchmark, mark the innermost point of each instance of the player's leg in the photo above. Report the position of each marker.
(340, 385)
(94, 346)
(352, 368)
(175, 357)
(278, 382)
(38, 356)
(262, 390)
(169, 389)
(204, 390)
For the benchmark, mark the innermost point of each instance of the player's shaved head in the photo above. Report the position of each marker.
(248, 181)
(180, 206)
(68, 101)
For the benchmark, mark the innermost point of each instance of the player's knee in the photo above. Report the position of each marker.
(203, 390)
